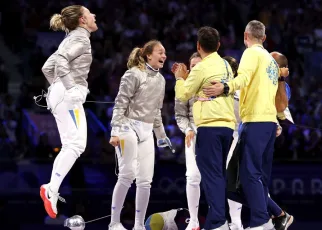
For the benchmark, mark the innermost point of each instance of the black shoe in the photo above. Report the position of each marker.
(283, 222)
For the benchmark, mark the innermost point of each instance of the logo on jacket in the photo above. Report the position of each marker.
(273, 72)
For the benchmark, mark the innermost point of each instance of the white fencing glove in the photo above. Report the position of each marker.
(279, 130)
(164, 142)
(74, 95)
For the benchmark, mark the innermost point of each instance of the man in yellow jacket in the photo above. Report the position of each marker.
(215, 121)
(257, 79)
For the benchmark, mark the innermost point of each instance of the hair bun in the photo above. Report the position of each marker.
(56, 22)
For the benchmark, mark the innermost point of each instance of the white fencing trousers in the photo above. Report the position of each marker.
(193, 181)
(234, 207)
(70, 118)
(72, 128)
(232, 147)
(192, 172)
(135, 159)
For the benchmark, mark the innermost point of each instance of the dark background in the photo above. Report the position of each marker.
(29, 140)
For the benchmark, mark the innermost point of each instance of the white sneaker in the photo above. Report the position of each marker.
(234, 226)
(50, 199)
(116, 226)
(268, 226)
(223, 227)
(193, 225)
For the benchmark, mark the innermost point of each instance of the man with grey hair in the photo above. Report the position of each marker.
(257, 80)
(255, 30)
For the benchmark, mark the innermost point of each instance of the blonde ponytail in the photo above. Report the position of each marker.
(56, 23)
(136, 59)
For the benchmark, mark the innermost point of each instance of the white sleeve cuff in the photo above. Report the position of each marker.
(115, 132)
(187, 130)
(160, 132)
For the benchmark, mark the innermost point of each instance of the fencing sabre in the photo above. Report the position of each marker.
(43, 94)
(78, 223)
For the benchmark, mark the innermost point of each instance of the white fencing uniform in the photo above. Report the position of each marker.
(235, 207)
(137, 112)
(235, 135)
(67, 70)
(184, 118)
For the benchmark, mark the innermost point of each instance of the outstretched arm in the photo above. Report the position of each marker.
(282, 96)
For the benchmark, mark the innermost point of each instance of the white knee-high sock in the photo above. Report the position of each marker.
(141, 205)
(118, 198)
(55, 162)
(235, 212)
(193, 197)
(62, 165)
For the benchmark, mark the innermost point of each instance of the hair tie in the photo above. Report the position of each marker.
(141, 51)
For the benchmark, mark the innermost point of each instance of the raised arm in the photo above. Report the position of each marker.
(282, 96)
(186, 89)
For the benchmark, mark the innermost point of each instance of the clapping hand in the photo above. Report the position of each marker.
(180, 70)
(284, 72)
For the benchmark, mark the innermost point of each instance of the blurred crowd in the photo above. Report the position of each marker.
(293, 28)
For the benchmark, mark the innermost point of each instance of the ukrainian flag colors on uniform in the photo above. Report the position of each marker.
(154, 222)
(121, 146)
(75, 116)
